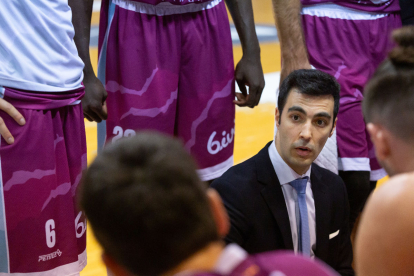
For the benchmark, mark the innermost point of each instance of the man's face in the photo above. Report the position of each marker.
(305, 125)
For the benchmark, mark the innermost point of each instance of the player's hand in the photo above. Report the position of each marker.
(93, 103)
(249, 72)
(12, 111)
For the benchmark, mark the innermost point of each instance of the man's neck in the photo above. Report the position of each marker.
(402, 158)
(203, 260)
(405, 167)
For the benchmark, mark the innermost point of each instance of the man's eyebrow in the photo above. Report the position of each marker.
(297, 108)
(323, 114)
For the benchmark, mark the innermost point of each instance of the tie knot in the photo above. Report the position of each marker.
(300, 184)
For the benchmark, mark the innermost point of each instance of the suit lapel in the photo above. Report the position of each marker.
(322, 207)
(273, 195)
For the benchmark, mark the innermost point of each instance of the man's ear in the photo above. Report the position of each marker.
(277, 117)
(114, 269)
(380, 140)
(333, 127)
(219, 212)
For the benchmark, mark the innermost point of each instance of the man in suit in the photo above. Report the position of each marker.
(279, 199)
(332, 36)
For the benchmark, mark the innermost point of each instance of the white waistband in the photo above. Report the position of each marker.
(354, 164)
(339, 12)
(164, 8)
(216, 171)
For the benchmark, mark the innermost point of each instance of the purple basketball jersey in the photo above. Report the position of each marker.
(41, 231)
(177, 77)
(351, 56)
(376, 6)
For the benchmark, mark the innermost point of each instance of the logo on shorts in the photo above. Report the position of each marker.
(214, 147)
(50, 256)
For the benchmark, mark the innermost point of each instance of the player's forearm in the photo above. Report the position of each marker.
(81, 20)
(242, 13)
(289, 28)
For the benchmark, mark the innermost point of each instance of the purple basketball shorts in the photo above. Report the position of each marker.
(350, 45)
(41, 231)
(170, 68)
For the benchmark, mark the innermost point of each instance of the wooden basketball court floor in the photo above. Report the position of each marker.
(254, 127)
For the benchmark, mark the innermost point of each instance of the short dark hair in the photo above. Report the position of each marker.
(146, 204)
(310, 82)
(389, 95)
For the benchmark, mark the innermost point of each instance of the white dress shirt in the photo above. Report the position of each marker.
(285, 174)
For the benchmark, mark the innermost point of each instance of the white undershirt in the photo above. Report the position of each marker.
(285, 174)
(231, 256)
(37, 50)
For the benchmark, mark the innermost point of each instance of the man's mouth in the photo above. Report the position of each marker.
(303, 151)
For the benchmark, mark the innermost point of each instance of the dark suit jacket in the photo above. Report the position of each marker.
(254, 200)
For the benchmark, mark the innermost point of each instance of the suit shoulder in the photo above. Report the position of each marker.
(332, 181)
(327, 174)
(237, 174)
(243, 176)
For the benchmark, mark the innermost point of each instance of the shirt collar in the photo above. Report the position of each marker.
(284, 173)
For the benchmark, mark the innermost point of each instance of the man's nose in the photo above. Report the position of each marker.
(306, 132)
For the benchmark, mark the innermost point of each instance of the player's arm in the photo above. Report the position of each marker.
(290, 32)
(249, 69)
(385, 239)
(93, 103)
(12, 111)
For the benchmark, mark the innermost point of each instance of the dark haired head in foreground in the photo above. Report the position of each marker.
(385, 240)
(152, 215)
(147, 205)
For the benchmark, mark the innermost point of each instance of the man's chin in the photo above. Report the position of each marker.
(302, 163)
(305, 157)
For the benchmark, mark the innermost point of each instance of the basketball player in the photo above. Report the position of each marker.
(347, 39)
(43, 147)
(168, 66)
(385, 237)
(153, 216)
